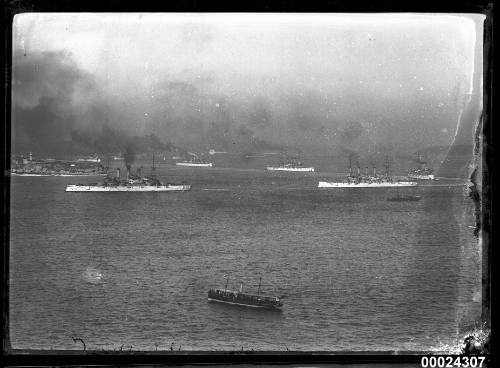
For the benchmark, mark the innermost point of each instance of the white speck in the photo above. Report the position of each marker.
(92, 275)
(440, 104)
(145, 114)
(400, 86)
(217, 105)
(421, 88)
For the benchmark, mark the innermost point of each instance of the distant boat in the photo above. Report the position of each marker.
(244, 299)
(94, 158)
(194, 164)
(194, 161)
(417, 176)
(290, 168)
(422, 172)
(291, 165)
(214, 152)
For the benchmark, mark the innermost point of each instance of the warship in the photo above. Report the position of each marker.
(195, 161)
(356, 180)
(291, 165)
(131, 183)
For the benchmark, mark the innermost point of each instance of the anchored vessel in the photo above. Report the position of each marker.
(367, 181)
(244, 299)
(194, 164)
(131, 183)
(291, 165)
(195, 161)
(422, 172)
(94, 158)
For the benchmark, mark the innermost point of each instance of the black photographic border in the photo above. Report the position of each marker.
(14, 357)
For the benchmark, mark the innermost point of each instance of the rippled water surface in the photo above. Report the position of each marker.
(133, 269)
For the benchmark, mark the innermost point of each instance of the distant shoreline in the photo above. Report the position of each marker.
(19, 174)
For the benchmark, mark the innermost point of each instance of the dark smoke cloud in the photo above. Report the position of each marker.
(351, 131)
(129, 156)
(60, 108)
(43, 87)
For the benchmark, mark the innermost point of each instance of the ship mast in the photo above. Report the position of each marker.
(153, 168)
(387, 165)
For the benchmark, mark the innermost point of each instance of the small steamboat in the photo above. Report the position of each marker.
(244, 299)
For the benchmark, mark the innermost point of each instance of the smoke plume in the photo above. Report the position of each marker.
(129, 156)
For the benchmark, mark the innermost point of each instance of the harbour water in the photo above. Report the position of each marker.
(132, 270)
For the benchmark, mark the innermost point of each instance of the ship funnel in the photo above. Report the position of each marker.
(128, 173)
(118, 173)
(139, 171)
(241, 287)
(374, 171)
(358, 171)
(366, 170)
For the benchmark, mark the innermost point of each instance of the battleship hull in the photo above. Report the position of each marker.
(193, 164)
(128, 188)
(293, 169)
(326, 184)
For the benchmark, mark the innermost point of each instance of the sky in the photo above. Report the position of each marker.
(327, 82)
